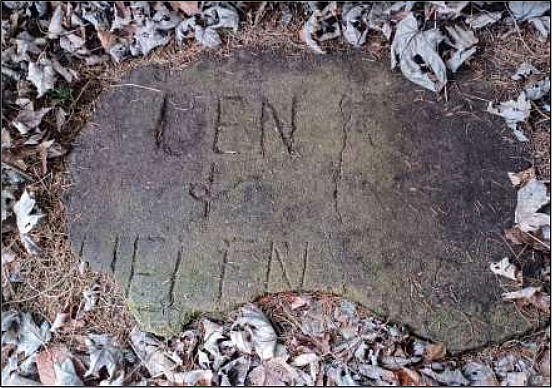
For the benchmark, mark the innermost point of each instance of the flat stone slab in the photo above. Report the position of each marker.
(206, 188)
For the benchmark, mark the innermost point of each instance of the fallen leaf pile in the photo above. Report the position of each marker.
(433, 39)
(536, 88)
(532, 229)
(532, 219)
(417, 31)
(320, 341)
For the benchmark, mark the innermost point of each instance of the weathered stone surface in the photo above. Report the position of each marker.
(203, 189)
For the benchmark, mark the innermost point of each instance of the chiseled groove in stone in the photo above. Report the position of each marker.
(305, 263)
(269, 267)
(210, 182)
(223, 270)
(218, 108)
(173, 276)
(132, 264)
(284, 271)
(113, 263)
(160, 124)
(287, 139)
(293, 117)
(81, 248)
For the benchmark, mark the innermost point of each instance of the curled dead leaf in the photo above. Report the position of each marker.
(519, 237)
(435, 351)
(521, 178)
(408, 377)
(45, 362)
(529, 295)
(506, 269)
(190, 8)
(107, 39)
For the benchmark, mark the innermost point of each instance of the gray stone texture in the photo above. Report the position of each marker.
(203, 189)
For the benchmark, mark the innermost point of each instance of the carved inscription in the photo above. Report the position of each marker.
(250, 265)
(236, 126)
(248, 127)
(278, 125)
(209, 188)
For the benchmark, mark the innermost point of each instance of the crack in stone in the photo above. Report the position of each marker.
(262, 139)
(339, 175)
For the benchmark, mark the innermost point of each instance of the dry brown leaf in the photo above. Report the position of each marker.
(45, 362)
(273, 372)
(14, 159)
(59, 322)
(408, 377)
(523, 294)
(519, 237)
(298, 301)
(195, 378)
(522, 177)
(516, 236)
(544, 364)
(436, 351)
(122, 10)
(307, 32)
(107, 39)
(529, 295)
(43, 154)
(72, 325)
(190, 8)
(541, 301)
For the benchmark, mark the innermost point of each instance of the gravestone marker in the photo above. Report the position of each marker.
(203, 189)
